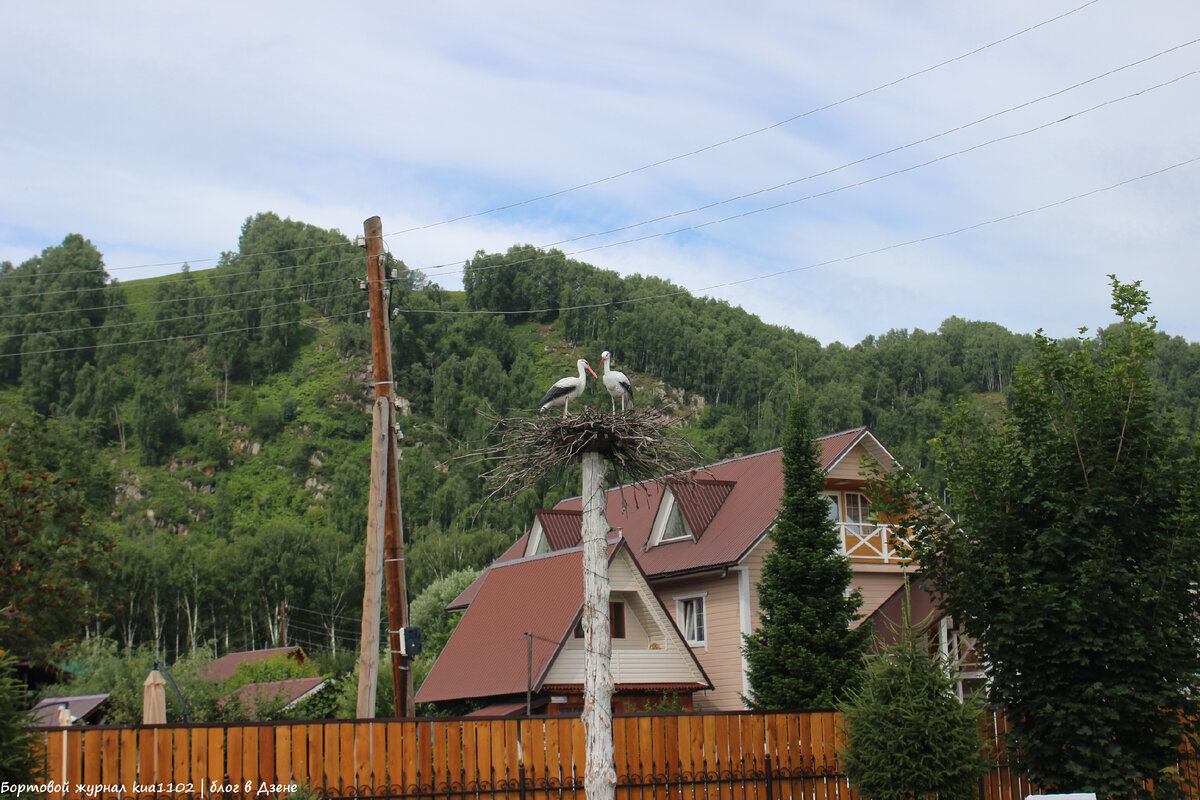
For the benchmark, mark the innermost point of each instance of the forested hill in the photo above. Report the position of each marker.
(214, 424)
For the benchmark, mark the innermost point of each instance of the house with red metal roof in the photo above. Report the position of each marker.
(699, 543)
(223, 668)
(520, 645)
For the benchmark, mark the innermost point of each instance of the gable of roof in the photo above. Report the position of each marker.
(288, 692)
(506, 642)
(562, 528)
(699, 500)
(223, 668)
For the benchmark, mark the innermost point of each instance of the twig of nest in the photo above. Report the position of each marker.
(639, 445)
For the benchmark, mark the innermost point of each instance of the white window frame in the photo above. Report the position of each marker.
(681, 604)
(666, 510)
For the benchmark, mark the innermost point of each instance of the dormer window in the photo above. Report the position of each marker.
(676, 527)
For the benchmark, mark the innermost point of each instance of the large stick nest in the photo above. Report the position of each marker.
(639, 445)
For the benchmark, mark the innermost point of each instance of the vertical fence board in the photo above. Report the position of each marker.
(315, 767)
(439, 736)
(411, 749)
(249, 761)
(233, 756)
(346, 746)
(331, 757)
(658, 736)
(379, 757)
(199, 765)
(578, 757)
(395, 757)
(93, 743)
(216, 759)
(362, 756)
(128, 739)
(74, 765)
(111, 759)
(283, 755)
(425, 754)
(181, 762)
(147, 760)
(684, 755)
(267, 735)
(621, 757)
(472, 775)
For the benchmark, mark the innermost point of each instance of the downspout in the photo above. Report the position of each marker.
(744, 621)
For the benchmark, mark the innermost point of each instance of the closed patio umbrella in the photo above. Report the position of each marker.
(154, 699)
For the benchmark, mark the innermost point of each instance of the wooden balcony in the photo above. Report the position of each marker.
(868, 543)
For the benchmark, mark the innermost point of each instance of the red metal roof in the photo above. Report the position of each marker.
(224, 667)
(285, 692)
(700, 499)
(736, 524)
(488, 653)
(562, 529)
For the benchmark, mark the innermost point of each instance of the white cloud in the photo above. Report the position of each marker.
(155, 130)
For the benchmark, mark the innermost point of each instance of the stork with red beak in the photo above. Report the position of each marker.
(567, 389)
(616, 382)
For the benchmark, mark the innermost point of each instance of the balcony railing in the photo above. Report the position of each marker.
(866, 542)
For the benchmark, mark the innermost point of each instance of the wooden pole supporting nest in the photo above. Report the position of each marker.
(639, 446)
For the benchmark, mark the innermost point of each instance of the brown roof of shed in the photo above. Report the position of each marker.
(286, 692)
(224, 667)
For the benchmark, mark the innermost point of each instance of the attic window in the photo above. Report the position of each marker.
(676, 527)
(616, 622)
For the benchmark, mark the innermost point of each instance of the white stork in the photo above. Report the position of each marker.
(567, 389)
(616, 382)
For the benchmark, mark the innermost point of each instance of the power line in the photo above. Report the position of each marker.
(181, 338)
(256, 290)
(815, 265)
(168, 320)
(232, 257)
(644, 167)
(214, 275)
(835, 190)
(747, 134)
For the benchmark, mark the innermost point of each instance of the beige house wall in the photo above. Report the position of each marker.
(650, 652)
(720, 655)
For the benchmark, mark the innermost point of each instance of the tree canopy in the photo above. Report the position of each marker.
(1074, 555)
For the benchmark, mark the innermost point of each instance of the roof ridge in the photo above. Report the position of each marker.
(552, 554)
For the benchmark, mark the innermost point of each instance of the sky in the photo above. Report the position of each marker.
(842, 169)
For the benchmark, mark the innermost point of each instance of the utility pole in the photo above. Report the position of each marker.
(393, 543)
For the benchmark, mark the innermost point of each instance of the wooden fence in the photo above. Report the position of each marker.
(733, 756)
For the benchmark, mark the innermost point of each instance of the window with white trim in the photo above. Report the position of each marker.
(690, 613)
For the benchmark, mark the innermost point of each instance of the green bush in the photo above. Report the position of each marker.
(907, 736)
(19, 756)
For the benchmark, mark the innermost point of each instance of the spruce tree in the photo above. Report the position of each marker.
(906, 733)
(804, 654)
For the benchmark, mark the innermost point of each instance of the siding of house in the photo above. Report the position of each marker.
(721, 657)
(645, 655)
